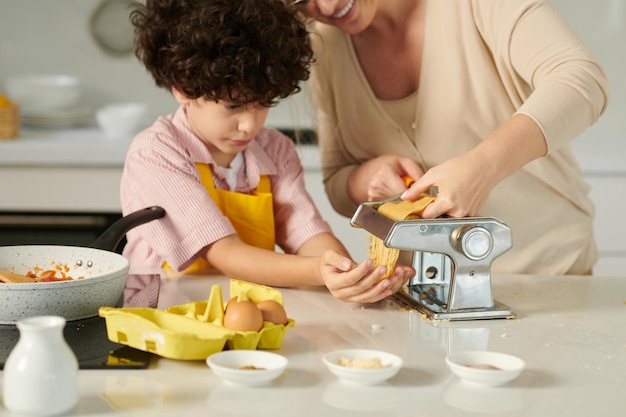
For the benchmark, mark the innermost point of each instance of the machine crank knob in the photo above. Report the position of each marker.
(475, 242)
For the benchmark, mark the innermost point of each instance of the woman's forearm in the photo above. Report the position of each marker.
(514, 144)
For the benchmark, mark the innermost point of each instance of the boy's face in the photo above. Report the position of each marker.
(225, 128)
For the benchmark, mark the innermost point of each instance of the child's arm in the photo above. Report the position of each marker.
(322, 260)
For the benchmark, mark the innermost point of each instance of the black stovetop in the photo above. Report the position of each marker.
(88, 337)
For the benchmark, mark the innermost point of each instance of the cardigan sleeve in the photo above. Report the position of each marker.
(534, 48)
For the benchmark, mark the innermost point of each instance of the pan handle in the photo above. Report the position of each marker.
(111, 237)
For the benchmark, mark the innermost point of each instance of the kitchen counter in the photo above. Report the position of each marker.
(76, 147)
(571, 331)
(85, 147)
(90, 147)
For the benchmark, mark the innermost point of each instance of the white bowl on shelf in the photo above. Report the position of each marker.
(485, 368)
(121, 120)
(45, 92)
(247, 367)
(390, 363)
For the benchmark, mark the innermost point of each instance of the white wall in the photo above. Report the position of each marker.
(54, 37)
(602, 26)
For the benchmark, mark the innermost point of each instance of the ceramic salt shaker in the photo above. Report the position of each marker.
(41, 372)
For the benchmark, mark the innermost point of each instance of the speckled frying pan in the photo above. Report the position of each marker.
(99, 274)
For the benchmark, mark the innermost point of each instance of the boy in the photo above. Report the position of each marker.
(231, 188)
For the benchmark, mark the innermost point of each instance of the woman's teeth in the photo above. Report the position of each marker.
(345, 10)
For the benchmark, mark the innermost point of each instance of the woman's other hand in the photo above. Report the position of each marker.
(381, 177)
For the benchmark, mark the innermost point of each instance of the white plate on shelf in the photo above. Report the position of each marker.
(51, 118)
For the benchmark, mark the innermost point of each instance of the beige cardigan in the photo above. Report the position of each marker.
(483, 61)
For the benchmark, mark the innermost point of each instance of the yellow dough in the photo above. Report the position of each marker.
(402, 210)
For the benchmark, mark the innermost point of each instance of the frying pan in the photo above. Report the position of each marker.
(103, 274)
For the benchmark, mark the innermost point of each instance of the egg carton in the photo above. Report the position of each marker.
(194, 330)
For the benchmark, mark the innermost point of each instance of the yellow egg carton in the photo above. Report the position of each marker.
(194, 330)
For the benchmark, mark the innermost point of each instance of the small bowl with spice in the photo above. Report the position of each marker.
(485, 368)
(362, 366)
(247, 367)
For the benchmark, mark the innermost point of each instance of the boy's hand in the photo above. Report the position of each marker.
(360, 283)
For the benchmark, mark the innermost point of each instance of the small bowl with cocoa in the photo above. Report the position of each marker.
(485, 368)
(247, 367)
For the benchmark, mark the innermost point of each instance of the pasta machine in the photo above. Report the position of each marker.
(452, 258)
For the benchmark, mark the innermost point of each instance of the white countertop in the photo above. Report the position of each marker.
(64, 147)
(571, 331)
(90, 147)
(84, 147)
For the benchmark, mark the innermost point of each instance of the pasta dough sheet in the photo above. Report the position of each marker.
(401, 210)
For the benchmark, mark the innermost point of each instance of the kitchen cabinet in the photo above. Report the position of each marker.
(60, 189)
(61, 170)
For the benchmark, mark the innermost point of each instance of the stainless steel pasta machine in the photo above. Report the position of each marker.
(452, 257)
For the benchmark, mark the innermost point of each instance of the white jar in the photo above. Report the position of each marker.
(41, 372)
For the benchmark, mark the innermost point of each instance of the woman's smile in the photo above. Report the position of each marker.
(343, 12)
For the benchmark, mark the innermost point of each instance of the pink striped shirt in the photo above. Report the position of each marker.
(160, 170)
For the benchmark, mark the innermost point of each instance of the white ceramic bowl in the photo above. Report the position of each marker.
(464, 365)
(390, 362)
(44, 92)
(229, 365)
(121, 120)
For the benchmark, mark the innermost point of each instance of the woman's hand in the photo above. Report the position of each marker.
(360, 283)
(466, 181)
(464, 184)
(381, 177)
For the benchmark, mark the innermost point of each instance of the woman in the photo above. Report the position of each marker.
(479, 97)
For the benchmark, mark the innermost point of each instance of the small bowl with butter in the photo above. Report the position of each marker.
(485, 368)
(362, 366)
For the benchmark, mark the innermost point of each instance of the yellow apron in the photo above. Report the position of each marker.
(252, 215)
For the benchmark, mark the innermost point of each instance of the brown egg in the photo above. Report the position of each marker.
(273, 311)
(231, 301)
(243, 316)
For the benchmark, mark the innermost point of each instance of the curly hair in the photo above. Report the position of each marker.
(246, 51)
